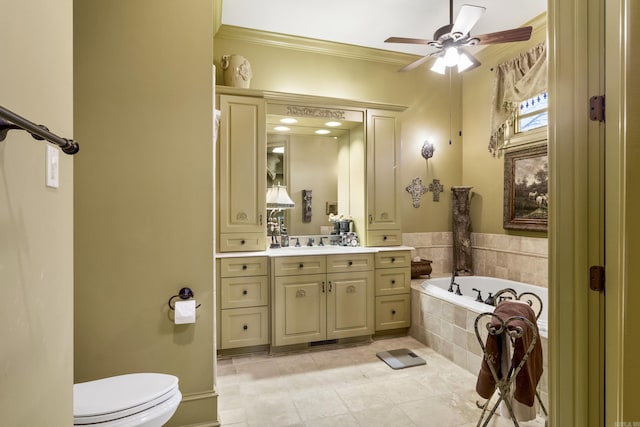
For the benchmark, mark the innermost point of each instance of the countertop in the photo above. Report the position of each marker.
(314, 250)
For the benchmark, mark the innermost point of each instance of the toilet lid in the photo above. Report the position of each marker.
(122, 395)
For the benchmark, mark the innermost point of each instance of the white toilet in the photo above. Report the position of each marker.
(132, 400)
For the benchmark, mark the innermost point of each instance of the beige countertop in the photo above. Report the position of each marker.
(314, 250)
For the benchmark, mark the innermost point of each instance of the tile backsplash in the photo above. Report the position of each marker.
(523, 259)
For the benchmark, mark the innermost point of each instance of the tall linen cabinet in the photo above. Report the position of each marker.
(242, 174)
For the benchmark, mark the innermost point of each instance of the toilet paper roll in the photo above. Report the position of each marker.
(185, 312)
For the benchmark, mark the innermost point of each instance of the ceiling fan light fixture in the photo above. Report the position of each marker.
(451, 57)
(439, 66)
(464, 62)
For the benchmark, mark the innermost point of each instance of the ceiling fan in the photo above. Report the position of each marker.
(451, 39)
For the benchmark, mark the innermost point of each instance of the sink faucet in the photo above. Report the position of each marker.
(310, 241)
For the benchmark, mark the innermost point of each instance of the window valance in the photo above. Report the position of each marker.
(516, 80)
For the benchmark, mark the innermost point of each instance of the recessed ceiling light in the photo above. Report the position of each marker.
(333, 124)
(288, 121)
(323, 131)
(281, 128)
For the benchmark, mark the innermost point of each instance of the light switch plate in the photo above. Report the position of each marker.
(52, 169)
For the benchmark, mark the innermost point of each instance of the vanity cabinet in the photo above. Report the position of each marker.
(393, 289)
(243, 302)
(383, 179)
(242, 174)
(318, 298)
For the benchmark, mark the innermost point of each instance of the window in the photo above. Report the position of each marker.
(532, 113)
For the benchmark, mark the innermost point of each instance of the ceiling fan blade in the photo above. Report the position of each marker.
(407, 40)
(467, 18)
(514, 35)
(417, 63)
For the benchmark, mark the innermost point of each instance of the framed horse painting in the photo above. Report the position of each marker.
(526, 189)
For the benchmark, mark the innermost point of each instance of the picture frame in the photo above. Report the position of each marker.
(526, 188)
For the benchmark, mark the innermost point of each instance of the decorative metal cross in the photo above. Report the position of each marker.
(416, 189)
(436, 188)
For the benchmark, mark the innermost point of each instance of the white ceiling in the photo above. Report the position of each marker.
(369, 22)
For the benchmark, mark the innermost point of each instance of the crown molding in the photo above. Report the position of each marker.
(304, 44)
(308, 100)
(323, 47)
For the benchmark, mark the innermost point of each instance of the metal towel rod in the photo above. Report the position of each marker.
(10, 120)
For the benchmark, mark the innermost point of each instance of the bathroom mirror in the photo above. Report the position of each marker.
(314, 163)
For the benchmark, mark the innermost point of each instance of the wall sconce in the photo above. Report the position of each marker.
(427, 149)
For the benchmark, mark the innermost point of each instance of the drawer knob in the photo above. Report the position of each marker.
(244, 267)
(245, 292)
(393, 312)
(393, 260)
(350, 263)
(242, 242)
(301, 265)
(245, 327)
(393, 282)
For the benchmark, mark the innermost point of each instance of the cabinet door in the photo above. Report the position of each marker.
(350, 304)
(383, 170)
(393, 312)
(300, 313)
(243, 327)
(242, 169)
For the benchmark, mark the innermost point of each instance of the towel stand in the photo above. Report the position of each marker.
(507, 329)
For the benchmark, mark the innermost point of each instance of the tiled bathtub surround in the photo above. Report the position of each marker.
(523, 259)
(448, 329)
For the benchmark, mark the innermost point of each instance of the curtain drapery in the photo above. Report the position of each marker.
(514, 81)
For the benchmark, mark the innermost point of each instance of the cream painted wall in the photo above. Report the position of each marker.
(431, 111)
(36, 222)
(144, 193)
(479, 169)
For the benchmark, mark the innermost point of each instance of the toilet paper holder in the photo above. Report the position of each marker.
(184, 293)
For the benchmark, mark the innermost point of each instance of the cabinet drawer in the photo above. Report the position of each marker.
(244, 266)
(393, 312)
(392, 281)
(393, 259)
(243, 327)
(236, 292)
(242, 242)
(292, 265)
(349, 262)
(384, 238)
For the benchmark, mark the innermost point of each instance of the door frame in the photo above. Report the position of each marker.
(576, 219)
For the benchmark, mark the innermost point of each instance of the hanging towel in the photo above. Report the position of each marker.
(527, 379)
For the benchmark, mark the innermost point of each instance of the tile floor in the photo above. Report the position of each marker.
(348, 387)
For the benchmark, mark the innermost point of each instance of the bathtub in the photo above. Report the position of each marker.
(445, 321)
(437, 287)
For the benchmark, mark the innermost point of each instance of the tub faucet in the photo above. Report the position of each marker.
(479, 296)
(453, 281)
(490, 300)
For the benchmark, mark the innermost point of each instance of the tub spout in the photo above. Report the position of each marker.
(453, 281)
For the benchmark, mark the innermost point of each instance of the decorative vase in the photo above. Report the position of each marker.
(236, 70)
